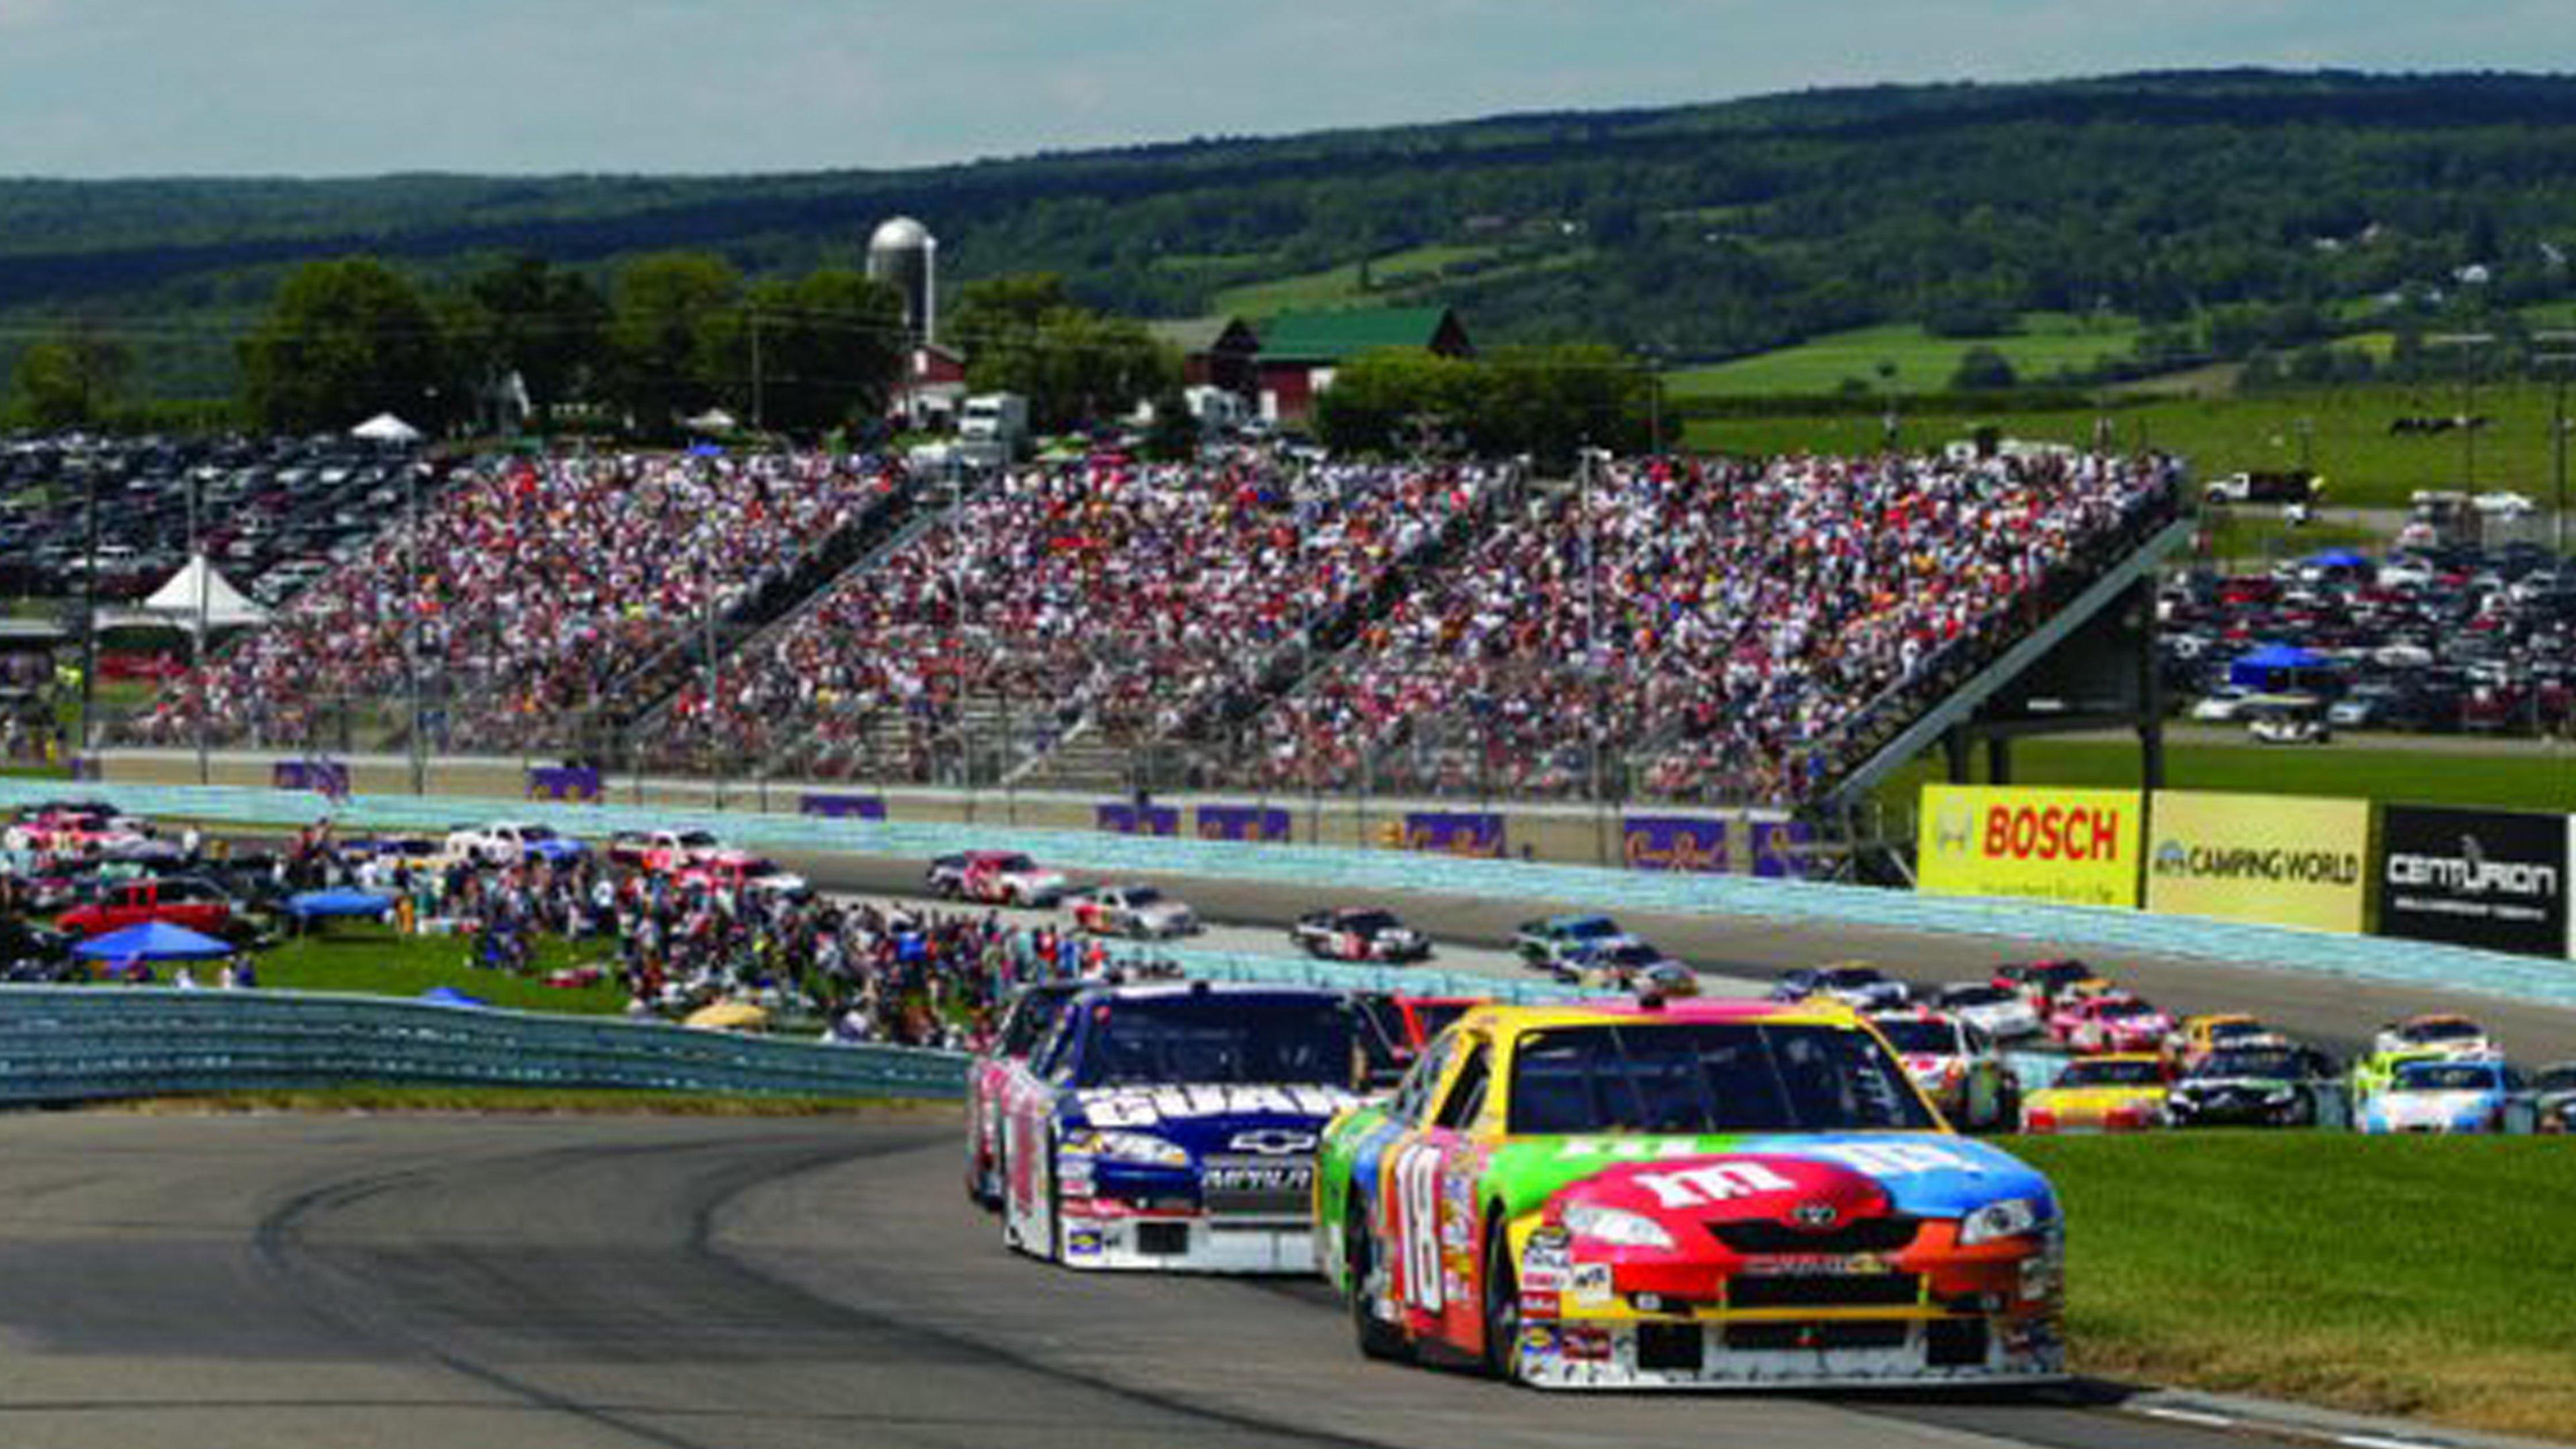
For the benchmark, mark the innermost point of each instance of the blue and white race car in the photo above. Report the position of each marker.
(2445, 1096)
(1175, 1126)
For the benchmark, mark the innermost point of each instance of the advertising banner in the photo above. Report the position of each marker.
(564, 784)
(322, 777)
(1674, 843)
(1126, 819)
(1449, 832)
(2490, 878)
(2275, 859)
(842, 807)
(1268, 825)
(1779, 848)
(2079, 847)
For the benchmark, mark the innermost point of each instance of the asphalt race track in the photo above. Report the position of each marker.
(285, 1282)
(2339, 1015)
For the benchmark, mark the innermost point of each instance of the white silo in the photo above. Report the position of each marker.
(905, 254)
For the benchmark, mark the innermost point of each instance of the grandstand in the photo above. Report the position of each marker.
(1713, 632)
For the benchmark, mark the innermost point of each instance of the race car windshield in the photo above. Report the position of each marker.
(1149, 1042)
(2440, 1031)
(2232, 1030)
(2099, 1073)
(2248, 1064)
(1435, 1018)
(1368, 923)
(2124, 1008)
(1012, 863)
(1846, 977)
(1143, 896)
(696, 838)
(1703, 1077)
(1919, 1038)
(1979, 996)
(2445, 1077)
(1592, 928)
(1036, 1012)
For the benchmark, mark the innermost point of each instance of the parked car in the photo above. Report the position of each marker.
(188, 901)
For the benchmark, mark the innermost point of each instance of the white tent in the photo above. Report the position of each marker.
(386, 428)
(179, 603)
(713, 420)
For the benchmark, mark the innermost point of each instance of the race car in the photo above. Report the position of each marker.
(1707, 1193)
(2265, 1085)
(1855, 984)
(2449, 1095)
(995, 877)
(1635, 966)
(2553, 1098)
(2041, 983)
(1130, 910)
(1395, 1028)
(508, 842)
(2112, 1021)
(1955, 1065)
(2440, 1034)
(411, 852)
(2122, 1092)
(662, 849)
(2195, 1037)
(1025, 1022)
(1558, 943)
(1174, 1126)
(1989, 1008)
(740, 871)
(72, 828)
(1358, 933)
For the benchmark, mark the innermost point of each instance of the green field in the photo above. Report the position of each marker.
(2047, 343)
(2427, 1277)
(1340, 286)
(411, 1097)
(2342, 433)
(373, 960)
(2252, 538)
(2537, 779)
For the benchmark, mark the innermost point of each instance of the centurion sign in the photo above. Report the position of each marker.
(2490, 878)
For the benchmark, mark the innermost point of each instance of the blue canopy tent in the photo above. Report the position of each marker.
(153, 941)
(344, 901)
(2277, 667)
(450, 996)
(2339, 558)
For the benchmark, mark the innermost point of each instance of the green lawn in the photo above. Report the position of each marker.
(2537, 780)
(2419, 1276)
(410, 1097)
(2253, 537)
(2342, 433)
(370, 959)
(2047, 343)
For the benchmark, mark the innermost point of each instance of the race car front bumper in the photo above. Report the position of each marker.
(1174, 1242)
(1574, 1353)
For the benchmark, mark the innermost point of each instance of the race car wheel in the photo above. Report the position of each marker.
(2303, 1110)
(1502, 1307)
(1376, 1338)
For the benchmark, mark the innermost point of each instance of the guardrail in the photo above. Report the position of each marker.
(76, 1044)
(1326, 870)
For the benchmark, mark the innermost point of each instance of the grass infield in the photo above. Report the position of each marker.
(2535, 779)
(404, 1097)
(2426, 1277)
(374, 960)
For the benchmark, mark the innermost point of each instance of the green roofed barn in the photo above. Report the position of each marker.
(1301, 350)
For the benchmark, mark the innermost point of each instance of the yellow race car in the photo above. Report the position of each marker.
(2119, 1092)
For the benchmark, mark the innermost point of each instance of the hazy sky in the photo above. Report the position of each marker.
(354, 87)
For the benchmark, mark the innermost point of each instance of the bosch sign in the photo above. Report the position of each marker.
(2078, 846)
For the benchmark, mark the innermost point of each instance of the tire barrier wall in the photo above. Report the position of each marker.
(1330, 871)
(80, 1044)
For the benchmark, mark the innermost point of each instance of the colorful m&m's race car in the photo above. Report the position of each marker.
(1707, 1193)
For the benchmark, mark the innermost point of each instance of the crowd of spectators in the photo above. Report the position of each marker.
(1713, 622)
(1125, 596)
(540, 584)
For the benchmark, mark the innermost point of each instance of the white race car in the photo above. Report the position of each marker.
(1131, 910)
(1999, 1013)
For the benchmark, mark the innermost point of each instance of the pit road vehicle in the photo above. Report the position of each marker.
(1358, 933)
(1701, 1194)
(1025, 1022)
(2122, 1092)
(1174, 1127)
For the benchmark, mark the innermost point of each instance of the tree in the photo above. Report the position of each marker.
(1022, 334)
(668, 329)
(816, 353)
(522, 315)
(1391, 401)
(72, 380)
(345, 340)
(1550, 402)
(1981, 369)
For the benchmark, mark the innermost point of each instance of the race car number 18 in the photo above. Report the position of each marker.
(1417, 1223)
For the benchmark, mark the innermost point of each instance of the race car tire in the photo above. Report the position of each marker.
(2303, 1110)
(1376, 1339)
(1502, 1306)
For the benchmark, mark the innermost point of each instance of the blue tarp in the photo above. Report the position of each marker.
(2254, 670)
(312, 905)
(2339, 558)
(450, 996)
(153, 941)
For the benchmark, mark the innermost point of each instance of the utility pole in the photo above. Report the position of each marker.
(414, 745)
(2558, 361)
(2473, 344)
(89, 604)
(197, 637)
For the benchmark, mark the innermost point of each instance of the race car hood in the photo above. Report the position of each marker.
(2093, 1101)
(1920, 1174)
(2214, 1086)
(1274, 1121)
(2402, 1107)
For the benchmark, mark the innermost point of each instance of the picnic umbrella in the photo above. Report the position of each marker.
(153, 941)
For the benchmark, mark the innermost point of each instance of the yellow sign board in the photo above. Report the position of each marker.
(2276, 859)
(2079, 847)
